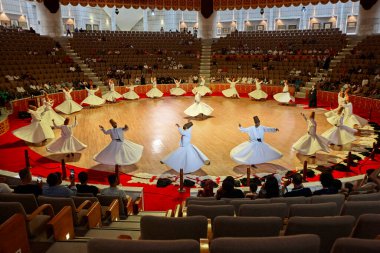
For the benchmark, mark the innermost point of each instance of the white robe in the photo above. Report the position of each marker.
(119, 151)
(340, 134)
(49, 114)
(177, 90)
(202, 89)
(37, 131)
(112, 95)
(131, 94)
(232, 90)
(351, 119)
(258, 93)
(69, 106)
(310, 143)
(198, 108)
(334, 112)
(154, 92)
(187, 157)
(255, 151)
(67, 143)
(92, 99)
(284, 96)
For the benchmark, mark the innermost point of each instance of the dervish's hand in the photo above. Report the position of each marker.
(277, 130)
(239, 125)
(177, 125)
(101, 127)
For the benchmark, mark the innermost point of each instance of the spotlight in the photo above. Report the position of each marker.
(117, 11)
(262, 11)
(303, 9)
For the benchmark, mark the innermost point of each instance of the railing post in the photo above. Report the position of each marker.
(117, 173)
(27, 161)
(181, 181)
(304, 176)
(63, 167)
(349, 160)
(248, 176)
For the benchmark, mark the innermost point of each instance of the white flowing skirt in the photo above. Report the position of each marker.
(177, 91)
(120, 153)
(309, 145)
(69, 107)
(340, 135)
(188, 158)
(93, 100)
(199, 108)
(353, 120)
(230, 92)
(48, 117)
(258, 94)
(154, 93)
(202, 90)
(66, 145)
(332, 113)
(283, 97)
(111, 96)
(254, 153)
(131, 95)
(35, 132)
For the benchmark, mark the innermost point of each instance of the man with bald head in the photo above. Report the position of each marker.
(119, 151)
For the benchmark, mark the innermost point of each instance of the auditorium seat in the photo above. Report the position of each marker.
(327, 228)
(336, 198)
(165, 228)
(28, 201)
(367, 226)
(238, 202)
(225, 226)
(206, 203)
(313, 210)
(211, 211)
(357, 208)
(125, 207)
(36, 222)
(365, 197)
(264, 210)
(288, 244)
(351, 245)
(290, 201)
(14, 236)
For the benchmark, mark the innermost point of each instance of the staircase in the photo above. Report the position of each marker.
(205, 65)
(321, 74)
(65, 43)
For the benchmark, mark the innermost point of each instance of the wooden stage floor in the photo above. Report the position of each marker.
(152, 124)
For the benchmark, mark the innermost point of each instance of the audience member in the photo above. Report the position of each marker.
(228, 190)
(327, 181)
(113, 190)
(55, 189)
(270, 189)
(83, 187)
(253, 191)
(298, 188)
(26, 185)
(208, 189)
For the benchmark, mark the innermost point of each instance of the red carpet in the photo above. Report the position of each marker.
(12, 159)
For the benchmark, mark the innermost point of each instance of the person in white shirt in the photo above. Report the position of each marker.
(119, 151)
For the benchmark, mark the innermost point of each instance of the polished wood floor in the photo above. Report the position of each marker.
(152, 124)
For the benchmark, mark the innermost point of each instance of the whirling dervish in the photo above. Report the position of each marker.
(37, 131)
(284, 97)
(340, 134)
(177, 90)
(202, 88)
(91, 98)
(69, 106)
(350, 119)
(67, 143)
(198, 108)
(111, 95)
(49, 114)
(154, 92)
(231, 92)
(187, 157)
(341, 103)
(311, 143)
(131, 94)
(258, 94)
(255, 151)
(119, 151)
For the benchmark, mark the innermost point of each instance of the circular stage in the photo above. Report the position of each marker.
(152, 124)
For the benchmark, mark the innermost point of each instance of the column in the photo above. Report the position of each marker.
(207, 26)
(369, 20)
(49, 23)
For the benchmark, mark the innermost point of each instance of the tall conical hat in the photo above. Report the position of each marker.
(256, 119)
